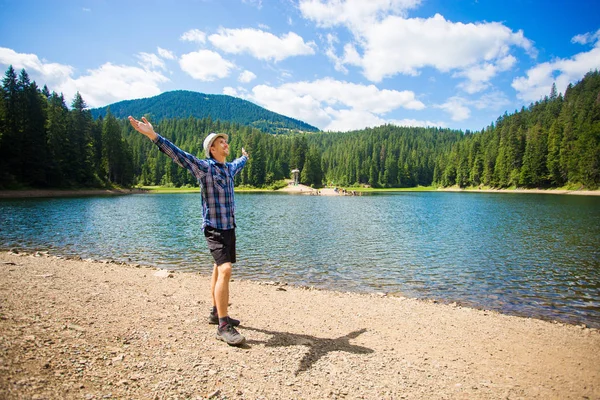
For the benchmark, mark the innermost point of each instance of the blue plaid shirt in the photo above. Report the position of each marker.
(216, 183)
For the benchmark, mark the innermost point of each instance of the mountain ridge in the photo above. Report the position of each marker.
(185, 103)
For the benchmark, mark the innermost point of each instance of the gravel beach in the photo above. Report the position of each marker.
(83, 329)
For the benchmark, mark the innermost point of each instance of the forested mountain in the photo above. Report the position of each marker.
(183, 104)
(552, 143)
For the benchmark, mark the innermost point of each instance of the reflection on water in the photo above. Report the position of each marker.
(524, 254)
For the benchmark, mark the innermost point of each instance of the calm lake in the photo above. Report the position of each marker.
(522, 254)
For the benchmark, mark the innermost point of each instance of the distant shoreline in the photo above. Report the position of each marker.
(328, 191)
(533, 191)
(41, 193)
(300, 189)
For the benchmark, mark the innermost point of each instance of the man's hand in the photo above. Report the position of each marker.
(244, 153)
(144, 127)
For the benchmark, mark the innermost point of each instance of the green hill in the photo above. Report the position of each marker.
(183, 104)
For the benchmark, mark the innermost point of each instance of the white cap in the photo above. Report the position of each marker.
(209, 141)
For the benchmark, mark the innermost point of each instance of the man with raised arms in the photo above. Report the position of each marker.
(218, 214)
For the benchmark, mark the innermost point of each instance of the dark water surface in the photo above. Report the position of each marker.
(524, 254)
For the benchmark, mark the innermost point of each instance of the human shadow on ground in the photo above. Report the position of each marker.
(317, 347)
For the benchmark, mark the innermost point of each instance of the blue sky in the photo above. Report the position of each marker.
(336, 64)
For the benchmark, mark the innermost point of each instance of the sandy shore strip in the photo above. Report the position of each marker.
(326, 191)
(83, 329)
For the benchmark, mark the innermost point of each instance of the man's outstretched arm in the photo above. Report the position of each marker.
(239, 163)
(144, 127)
(195, 165)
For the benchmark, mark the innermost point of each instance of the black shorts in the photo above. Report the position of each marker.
(221, 244)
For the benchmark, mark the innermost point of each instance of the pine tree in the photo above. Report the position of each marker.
(476, 162)
(3, 137)
(11, 143)
(111, 152)
(390, 177)
(553, 161)
(534, 172)
(299, 150)
(257, 164)
(589, 159)
(553, 92)
(32, 126)
(56, 135)
(568, 158)
(312, 174)
(82, 147)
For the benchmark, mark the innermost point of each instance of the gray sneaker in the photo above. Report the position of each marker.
(230, 335)
(213, 319)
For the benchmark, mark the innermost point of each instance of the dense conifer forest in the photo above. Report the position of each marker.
(554, 142)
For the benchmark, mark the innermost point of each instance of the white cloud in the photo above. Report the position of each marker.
(540, 78)
(417, 123)
(495, 101)
(150, 61)
(347, 120)
(352, 13)
(254, 3)
(98, 87)
(356, 96)
(459, 108)
(455, 106)
(387, 43)
(194, 35)
(240, 92)
(264, 27)
(405, 46)
(246, 76)
(285, 75)
(231, 91)
(205, 65)
(586, 37)
(166, 53)
(479, 75)
(330, 53)
(351, 55)
(50, 73)
(333, 105)
(285, 100)
(111, 83)
(261, 45)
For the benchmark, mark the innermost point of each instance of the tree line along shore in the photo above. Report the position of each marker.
(552, 143)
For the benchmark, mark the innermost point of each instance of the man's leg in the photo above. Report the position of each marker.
(221, 288)
(213, 317)
(213, 283)
(226, 330)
